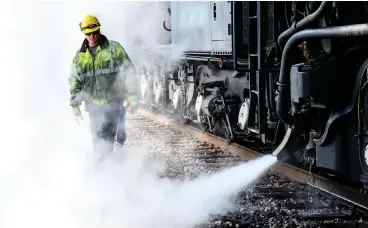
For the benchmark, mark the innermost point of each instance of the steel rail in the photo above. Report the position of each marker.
(350, 195)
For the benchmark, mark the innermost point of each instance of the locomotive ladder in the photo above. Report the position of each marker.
(255, 11)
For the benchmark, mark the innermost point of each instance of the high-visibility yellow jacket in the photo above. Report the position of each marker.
(109, 75)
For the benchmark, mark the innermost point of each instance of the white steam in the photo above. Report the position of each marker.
(48, 175)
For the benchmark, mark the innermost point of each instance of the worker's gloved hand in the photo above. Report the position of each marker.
(77, 114)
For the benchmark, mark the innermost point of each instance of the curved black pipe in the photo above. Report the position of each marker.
(283, 89)
(306, 22)
(164, 24)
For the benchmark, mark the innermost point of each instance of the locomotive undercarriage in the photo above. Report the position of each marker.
(305, 89)
(218, 101)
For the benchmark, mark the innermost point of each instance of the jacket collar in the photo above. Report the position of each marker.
(104, 43)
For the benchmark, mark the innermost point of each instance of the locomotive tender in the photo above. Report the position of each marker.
(286, 75)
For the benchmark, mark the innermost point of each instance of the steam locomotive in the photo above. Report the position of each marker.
(286, 76)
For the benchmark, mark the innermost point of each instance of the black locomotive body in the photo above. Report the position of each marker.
(268, 74)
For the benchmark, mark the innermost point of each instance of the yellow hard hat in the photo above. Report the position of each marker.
(89, 24)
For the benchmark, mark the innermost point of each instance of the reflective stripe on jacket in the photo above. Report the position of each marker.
(108, 75)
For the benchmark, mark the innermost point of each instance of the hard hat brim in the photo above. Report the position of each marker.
(89, 30)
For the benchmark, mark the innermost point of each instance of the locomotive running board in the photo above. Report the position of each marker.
(347, 194)
(283, 143)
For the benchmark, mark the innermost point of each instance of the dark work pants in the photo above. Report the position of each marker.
(104, 120)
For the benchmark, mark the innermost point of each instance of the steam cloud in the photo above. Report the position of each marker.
(48, 174)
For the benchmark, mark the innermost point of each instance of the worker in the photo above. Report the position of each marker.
(104, 78)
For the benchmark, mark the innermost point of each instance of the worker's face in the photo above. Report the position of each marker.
(93, 38)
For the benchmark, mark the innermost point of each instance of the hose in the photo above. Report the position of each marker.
(283, 83)
(306, 22)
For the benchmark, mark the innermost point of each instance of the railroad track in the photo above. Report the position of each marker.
(285, 196)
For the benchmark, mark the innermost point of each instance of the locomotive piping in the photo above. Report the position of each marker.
(284, 79)
(283, 142)
(304, 23)
(164, 25)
